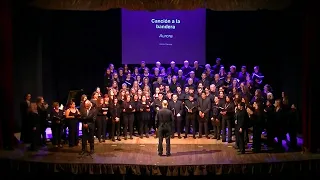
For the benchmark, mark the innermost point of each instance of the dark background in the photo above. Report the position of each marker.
(59, 51)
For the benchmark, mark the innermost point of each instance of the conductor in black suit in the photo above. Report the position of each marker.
(164, 123)
(88, 117)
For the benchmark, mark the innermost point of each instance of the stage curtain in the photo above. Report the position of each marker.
(219, 5)
(310, 121)
(6, 72)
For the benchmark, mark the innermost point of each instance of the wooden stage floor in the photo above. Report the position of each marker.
(143, 152)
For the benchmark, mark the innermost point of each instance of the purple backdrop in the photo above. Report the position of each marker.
(149, 37)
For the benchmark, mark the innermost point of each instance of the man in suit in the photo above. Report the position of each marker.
(88, 117)
(157, 105)
(164, 123)
(176, 107)
(204, 106)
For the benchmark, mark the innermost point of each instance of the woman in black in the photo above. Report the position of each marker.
(270, 123)
(72, 115)
(115, 118)
(34, 120)
(56, 116)
(280, 122)
(128, 116)
(136, 103)
(258, 119)
(107, 78)
(101, 121)
(144, 108)
(108, 122)
(129, 80)
(94, 99)
(42, 108)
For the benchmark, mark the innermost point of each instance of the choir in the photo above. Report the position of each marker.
(202, 99)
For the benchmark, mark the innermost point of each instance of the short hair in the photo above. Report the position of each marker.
(54, 104)
(88, 102)
(165, 103)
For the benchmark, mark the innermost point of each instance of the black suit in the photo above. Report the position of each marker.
(227, 119)
(176, 108)
(216, 118)
(191, 110)
(88, 117)
(204, 106)
(241, 119)
(164, 123)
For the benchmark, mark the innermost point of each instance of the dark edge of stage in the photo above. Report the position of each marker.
(305, 167)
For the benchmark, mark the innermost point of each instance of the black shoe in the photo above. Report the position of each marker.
(185, 137)
(159, 154)
(194, 137)
(179, 137)
(147, 136)
(200, 137)
(141, 137)
(241, 152)
(82, 152)
(113, 140)
(125, 138)
(103, 140)
(168, 154)
(208, 137)
(130, 137)
(118, 139)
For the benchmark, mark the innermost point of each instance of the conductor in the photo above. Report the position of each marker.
(164, 123)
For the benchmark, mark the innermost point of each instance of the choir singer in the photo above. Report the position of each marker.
(88, 117)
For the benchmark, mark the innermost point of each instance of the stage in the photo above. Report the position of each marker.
(139, 157)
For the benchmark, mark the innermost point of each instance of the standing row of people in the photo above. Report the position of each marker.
(200, 99)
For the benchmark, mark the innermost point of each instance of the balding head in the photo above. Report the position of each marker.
(165, 104)
(87, 104)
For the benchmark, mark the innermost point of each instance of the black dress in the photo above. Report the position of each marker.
(73, 125)
(34, 120)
